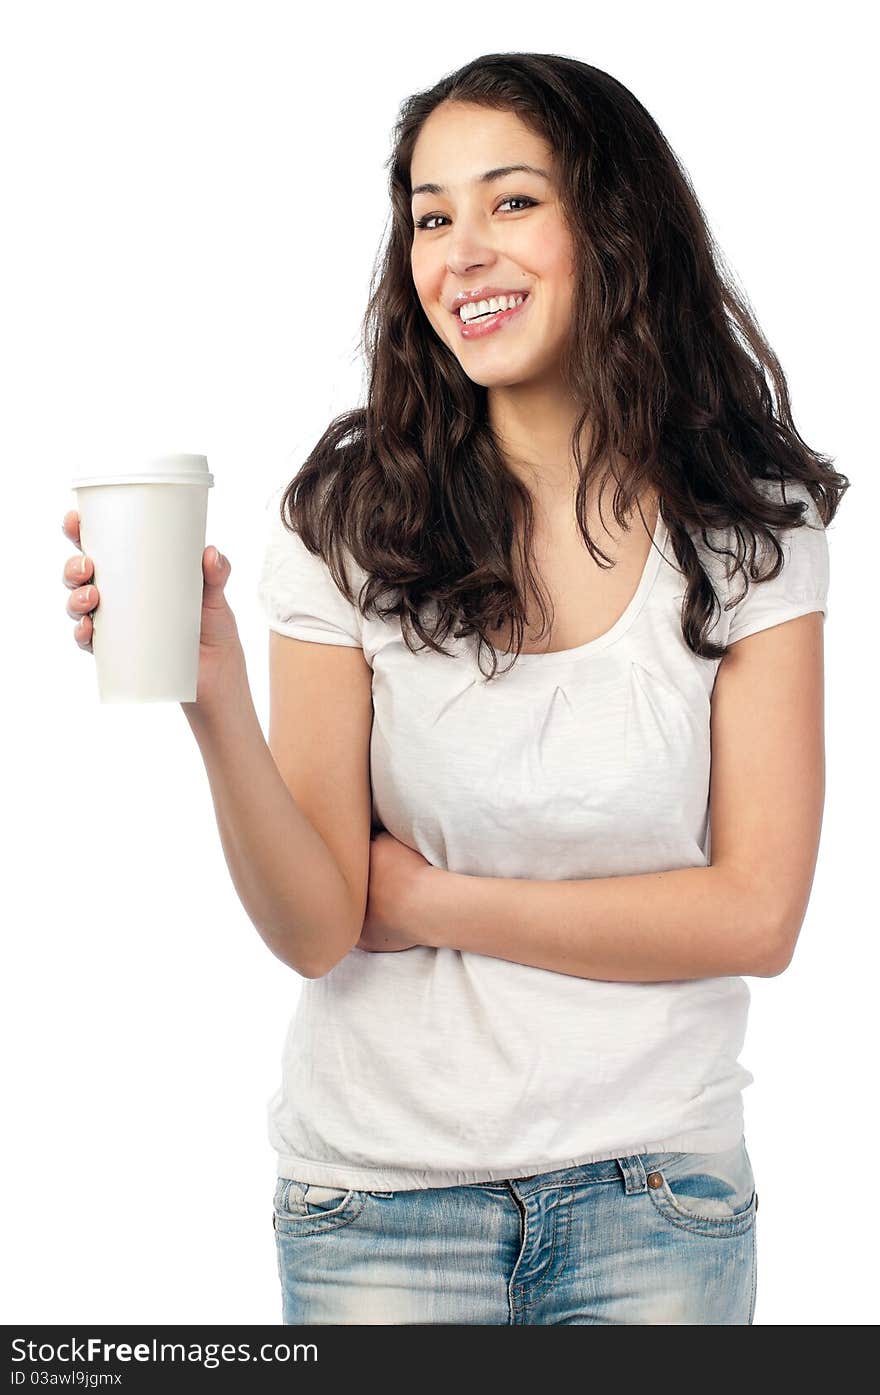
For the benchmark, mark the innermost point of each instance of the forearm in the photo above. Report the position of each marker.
(696, 922)
(286, 877)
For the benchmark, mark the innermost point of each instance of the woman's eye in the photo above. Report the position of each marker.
(430, 217)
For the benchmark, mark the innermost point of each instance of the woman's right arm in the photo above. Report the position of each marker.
(294, 813)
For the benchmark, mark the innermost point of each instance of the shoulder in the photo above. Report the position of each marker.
(297, 590)
(750, 603)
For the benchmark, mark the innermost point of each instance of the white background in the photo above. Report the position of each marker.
(194, 197)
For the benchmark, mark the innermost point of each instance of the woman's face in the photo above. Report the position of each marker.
(506, 233)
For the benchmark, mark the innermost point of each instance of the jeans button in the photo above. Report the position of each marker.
(655, 1180)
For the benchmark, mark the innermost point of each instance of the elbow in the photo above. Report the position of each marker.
(323, 969)
(338, 942)
(291, 960)
(327, 962)
(334, 940)
(309, 968)
(776, 949)
(769, 925)
(316, 970)
(313, 970)
(317, 973)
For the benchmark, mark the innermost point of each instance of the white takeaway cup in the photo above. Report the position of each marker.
(142, 524)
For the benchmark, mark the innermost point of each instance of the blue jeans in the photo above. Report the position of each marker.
(646, 1239)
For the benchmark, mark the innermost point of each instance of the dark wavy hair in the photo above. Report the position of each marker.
(665, 359)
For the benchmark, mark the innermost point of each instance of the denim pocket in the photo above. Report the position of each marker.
(706, 1193)
(303, 1208)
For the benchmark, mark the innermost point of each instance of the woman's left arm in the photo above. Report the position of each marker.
(741, 915)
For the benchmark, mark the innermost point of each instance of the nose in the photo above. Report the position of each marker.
(468, 247)
(462, 267)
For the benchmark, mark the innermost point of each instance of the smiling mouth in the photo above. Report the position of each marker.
(492, 321)
(487, 314)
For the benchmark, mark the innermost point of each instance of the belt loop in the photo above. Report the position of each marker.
(633, 1172)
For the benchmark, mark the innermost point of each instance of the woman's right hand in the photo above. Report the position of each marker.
(221, 657)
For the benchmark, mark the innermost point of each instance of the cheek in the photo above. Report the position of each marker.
(550, 259)
(559, 266)
(428, 285)
(562, 282)
(425, 268)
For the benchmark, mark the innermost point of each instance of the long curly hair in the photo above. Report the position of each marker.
(665, 359)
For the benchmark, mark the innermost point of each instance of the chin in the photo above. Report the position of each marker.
(502, 375)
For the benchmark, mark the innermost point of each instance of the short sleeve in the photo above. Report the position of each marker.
(802, 583)
(297, 593)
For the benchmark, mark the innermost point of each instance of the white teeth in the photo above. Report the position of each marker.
(473, 308)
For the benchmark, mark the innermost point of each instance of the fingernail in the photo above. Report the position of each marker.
(84, 565)
(219, 556)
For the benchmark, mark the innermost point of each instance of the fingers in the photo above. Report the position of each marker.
(83, 633)
(77, 572)
(76, 576)
(83, 600)
(70, 526)
(84, 597)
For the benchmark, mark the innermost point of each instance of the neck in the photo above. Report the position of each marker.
(533, 424)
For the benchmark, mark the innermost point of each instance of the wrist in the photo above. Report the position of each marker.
(436, 917)
(225, 695)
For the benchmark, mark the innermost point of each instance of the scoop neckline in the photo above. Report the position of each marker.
(624, 620)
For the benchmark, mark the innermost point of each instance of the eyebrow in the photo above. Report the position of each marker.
(486, 178)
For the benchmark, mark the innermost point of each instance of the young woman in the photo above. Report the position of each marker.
(588, 740)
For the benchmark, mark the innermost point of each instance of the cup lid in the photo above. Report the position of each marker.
(173, 468)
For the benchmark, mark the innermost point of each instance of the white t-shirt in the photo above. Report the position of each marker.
(439, 1067)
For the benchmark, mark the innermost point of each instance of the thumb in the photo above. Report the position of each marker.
(215, 567)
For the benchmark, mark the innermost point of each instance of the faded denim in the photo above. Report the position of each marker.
(657, 1238)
